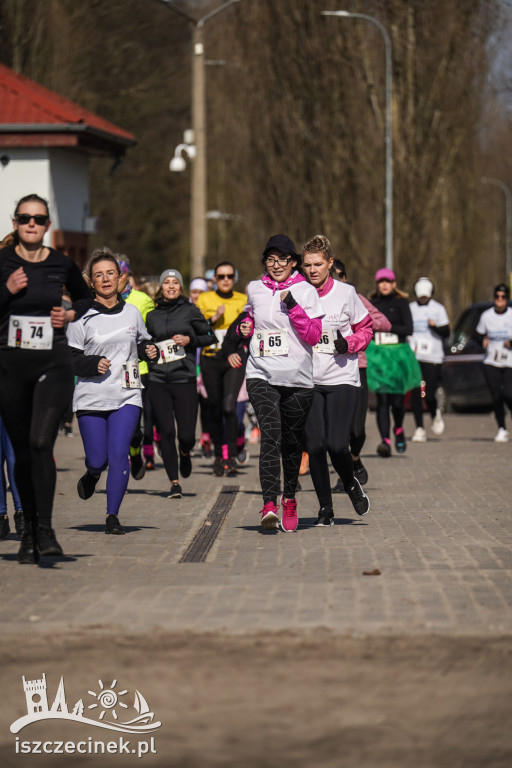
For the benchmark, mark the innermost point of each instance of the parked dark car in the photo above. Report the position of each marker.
(464, 385)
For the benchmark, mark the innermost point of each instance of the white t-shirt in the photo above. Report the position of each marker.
(294, 369)
(427, 345)
(114, 336)
(498, 329)
(343, 308)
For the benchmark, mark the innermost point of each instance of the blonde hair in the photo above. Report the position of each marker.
(320, 244)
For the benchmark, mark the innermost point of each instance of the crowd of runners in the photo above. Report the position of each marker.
(296, 354)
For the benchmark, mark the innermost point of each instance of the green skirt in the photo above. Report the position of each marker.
(392, 368)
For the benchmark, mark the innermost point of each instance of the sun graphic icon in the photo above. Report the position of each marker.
(108, 699)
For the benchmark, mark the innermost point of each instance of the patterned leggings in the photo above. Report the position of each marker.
(281, 414)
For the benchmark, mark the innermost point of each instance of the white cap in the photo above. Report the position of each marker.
(424, 287)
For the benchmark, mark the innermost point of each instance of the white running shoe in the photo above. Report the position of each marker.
(420, 435)
(502, 436)
(437, 423)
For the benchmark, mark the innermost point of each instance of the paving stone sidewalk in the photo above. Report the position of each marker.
(439, 532)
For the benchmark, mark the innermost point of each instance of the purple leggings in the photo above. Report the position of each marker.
(106, 437)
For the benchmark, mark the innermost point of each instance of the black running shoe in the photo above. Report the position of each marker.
(400, 444)
(185, 464)
(137, 468)
(86, 485)
(218, 466)
(19, 523)
(5, 528)
(113, 526)
(360, 472)
(176, 492)
(339, 487)
(325, 517)
(359, 499)
(27, 553)
(47, 543)
(384, 449)
(231, 468)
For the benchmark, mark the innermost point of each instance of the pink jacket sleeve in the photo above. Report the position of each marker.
(309, 329)
(362, 335)
(379, 321)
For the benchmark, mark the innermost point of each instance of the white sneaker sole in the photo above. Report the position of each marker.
(270, 522)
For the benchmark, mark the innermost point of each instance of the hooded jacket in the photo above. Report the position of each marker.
(169, 318)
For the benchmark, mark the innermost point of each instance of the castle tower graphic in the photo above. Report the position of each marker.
(35, 693)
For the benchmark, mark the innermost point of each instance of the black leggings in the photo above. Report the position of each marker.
(328, 432)
(174, 405)
(143, 434)
(35, 389)
(385, 401)
(222, 383)
(499, 381)
(431, 375)
(358, 433)
(281, 414)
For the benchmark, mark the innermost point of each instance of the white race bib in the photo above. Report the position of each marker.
(424, 347)
(326, 343)
(503, 356)
(169, 351)
(271, 343)
(27, 332)
(386, 338)
(130, 376)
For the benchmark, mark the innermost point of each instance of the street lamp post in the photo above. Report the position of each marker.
(508, 221)
(198, 232)
(389, 135)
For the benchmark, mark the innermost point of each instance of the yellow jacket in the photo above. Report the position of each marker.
(144, 304)
(208, 303)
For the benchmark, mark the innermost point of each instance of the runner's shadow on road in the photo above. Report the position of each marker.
(100, 528)
(309, 522)
(47, 561)
(259, 529)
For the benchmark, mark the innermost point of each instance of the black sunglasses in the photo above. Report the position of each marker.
(500, 295)
(231, 276)
(24, 218)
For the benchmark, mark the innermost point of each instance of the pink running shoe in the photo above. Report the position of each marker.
(290, 519)
(269, 518)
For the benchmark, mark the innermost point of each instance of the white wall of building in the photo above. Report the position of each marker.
(58, 175)
(69, 189)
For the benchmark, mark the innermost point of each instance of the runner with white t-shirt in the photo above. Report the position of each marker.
(495, 325)
(346, 329)
(431, 326)
(285, 322)
(106, 344)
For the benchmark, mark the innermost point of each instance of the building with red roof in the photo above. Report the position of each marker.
(45, 143)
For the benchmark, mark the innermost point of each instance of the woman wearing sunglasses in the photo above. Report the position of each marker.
(36, 372)
(495, 326)
(285, 322)
(222, 380)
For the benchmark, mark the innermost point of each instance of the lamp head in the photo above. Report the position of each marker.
(177, 165)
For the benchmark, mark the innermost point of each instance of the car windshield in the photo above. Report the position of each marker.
(462, 337)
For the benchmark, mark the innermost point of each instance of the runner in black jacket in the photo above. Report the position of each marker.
(179, 328)
(36, 374)
(392, 367)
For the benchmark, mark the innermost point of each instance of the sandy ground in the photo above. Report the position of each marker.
(287, 699)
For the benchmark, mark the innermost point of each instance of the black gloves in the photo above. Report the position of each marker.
(341, 344)
(289, 301)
